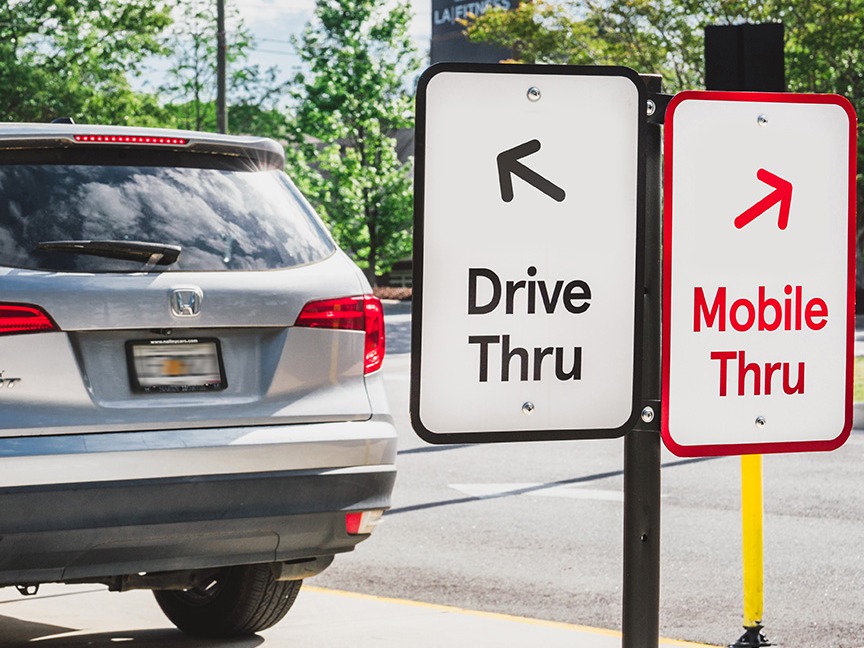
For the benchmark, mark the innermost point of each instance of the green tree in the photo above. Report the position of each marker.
(538, 32)
(352, 99)
(72, 58)
(657, 36)
(254, 95)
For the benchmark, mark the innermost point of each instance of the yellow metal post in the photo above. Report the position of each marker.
(752, 550)
(751, 533)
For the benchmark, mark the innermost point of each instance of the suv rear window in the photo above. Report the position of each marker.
(225, 218)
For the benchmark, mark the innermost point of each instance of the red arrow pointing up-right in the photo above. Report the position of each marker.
(782, 193)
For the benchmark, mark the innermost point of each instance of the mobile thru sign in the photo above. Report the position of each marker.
(529, 196)
(759, 273)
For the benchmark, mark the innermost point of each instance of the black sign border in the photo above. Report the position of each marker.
(418, 255)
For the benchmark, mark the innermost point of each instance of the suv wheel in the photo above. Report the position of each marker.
(239, 600)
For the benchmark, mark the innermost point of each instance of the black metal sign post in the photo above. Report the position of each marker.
(641, 604)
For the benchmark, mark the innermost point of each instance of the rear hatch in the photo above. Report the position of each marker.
(171, 283)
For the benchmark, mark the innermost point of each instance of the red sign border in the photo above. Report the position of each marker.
(708, 450)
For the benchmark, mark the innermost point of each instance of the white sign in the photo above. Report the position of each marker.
(527, 233)
(759, 273)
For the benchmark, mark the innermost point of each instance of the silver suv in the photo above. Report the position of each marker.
(190, 394)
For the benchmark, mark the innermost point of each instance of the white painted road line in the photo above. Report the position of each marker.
(483, 491)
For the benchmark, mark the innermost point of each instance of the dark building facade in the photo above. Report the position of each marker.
(449, 44)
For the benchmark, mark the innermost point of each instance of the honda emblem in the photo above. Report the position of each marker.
(186, 302)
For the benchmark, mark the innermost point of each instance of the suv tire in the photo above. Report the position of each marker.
(236, 601)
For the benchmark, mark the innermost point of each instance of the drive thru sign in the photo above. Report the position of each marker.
(759, 273)
(529, 197)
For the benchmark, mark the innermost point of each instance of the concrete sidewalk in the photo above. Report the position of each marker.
(85, 615)
(374, 621)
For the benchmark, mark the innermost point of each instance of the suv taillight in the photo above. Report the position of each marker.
(362, 313)
(22, 318)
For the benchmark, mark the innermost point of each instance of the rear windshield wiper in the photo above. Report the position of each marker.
(150, 254)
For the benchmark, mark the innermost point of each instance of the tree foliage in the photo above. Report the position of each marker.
(352, 100)
(657, 36)
(72, 58)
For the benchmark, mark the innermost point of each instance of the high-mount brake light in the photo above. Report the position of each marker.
(132, 139)
(22, 318)
(362, 313)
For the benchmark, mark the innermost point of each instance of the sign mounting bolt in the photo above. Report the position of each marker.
(762, 120)
(534, 93)
(648, 414)
(528, 408)
(760, 421)
(651, 108)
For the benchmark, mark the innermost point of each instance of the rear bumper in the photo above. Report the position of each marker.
(80, 531)
(133, 455)
(90, 506)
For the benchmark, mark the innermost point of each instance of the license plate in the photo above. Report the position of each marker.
(192, 365)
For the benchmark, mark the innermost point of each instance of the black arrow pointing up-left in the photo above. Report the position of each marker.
(509, 165)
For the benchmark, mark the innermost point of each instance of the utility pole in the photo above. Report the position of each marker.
(221, 51)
